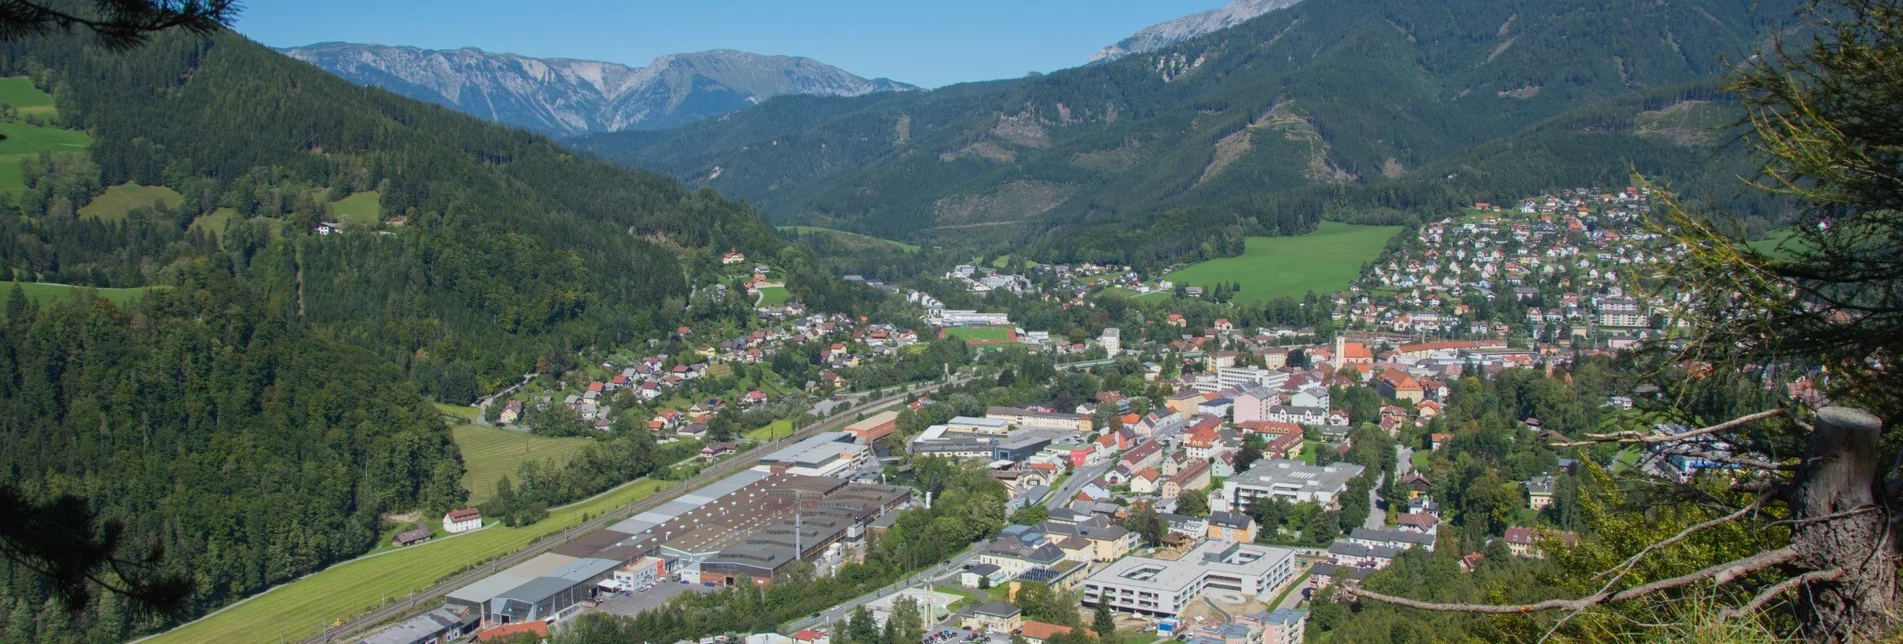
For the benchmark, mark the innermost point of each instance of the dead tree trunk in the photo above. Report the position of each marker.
(1841, 521)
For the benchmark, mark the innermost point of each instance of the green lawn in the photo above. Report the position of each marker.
(362, 209)
(24, 141)
(489, 453)
(42, 292)
(774, 295)
(353, 587)
(769, 431)
(971, 333)
(1324, 261)
(1419, 459)
(119, 200)
(1309, 448)
(910, 248)
(214, 222)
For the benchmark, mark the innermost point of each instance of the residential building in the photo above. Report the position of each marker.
(1232, 526)
(464, 520)
(1028, 419)
(1165, 587)
(1396, 538)
(1539, 491)
(1193, 477)
(1036, 632)
(993, 617)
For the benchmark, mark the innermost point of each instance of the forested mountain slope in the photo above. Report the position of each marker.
(258, 412)
(494, 247)
(1325, 96)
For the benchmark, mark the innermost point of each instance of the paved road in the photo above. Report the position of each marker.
(427, 598)
(1377, 518)
(1405, 460)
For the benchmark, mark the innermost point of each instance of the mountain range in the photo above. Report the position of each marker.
(1316, 109)
(1169, 33)
(566, 96)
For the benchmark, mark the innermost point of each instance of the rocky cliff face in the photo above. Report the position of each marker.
(564, 96)
(1169, 33)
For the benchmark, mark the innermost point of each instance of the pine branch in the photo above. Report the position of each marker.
(1630, 436)
(1720, 574)
(1779, 588)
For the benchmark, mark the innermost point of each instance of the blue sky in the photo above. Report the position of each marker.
(929, 44)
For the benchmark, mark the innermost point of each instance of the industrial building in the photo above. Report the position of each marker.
(1164, 587)
(747, 525)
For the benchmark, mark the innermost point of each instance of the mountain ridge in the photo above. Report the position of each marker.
(1168, 33)
(567, 96)
(1330, 96)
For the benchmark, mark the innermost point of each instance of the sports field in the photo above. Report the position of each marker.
(298, 609)
(774, 295)
(980, 333)
(117, 201)
(1324, 261)
(489, 453)
(910, 248)
(42, 292)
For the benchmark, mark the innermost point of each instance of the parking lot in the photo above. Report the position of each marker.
(640, 602)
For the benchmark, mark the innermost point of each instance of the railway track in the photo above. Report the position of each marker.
(427, 597)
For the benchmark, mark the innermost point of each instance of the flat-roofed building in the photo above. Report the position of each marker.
(974, 425)
(1027, 419)
(874, 427)
(1166, 587)
(1293, 481)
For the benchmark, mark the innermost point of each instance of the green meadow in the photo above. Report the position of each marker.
(1324, 261)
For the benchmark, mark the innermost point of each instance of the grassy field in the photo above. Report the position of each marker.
(350, 588)
(121, 199)
(362, 209)
(464, 413)
(910, 248)
(1308, 450)
(972, 333)
(774, 295)
(24, 141)
(1775, 244)
(42, 292)
(1324, 261)
(19, 92)
(489, 453)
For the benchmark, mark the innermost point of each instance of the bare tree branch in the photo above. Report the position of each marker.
(1720, 574)
(1630, 436)
(1732, 460)
(1779, 588)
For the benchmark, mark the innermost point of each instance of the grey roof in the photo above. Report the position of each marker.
(1231, 519)
(1349, 549)
(584, 569)
(1283, 472)
(537, 589)
(1380, 535)
(997, 609)
(981, 569)
(487, 589)
(421, 628)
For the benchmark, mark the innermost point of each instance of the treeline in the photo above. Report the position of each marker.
(967, 506)
(243, 448)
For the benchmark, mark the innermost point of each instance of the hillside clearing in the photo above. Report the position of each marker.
(116, 202)
(1324, 261)
(774, 295)
(23, 141)
(362, 209)
(489, 453)
(42, 292)
(910, 248)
